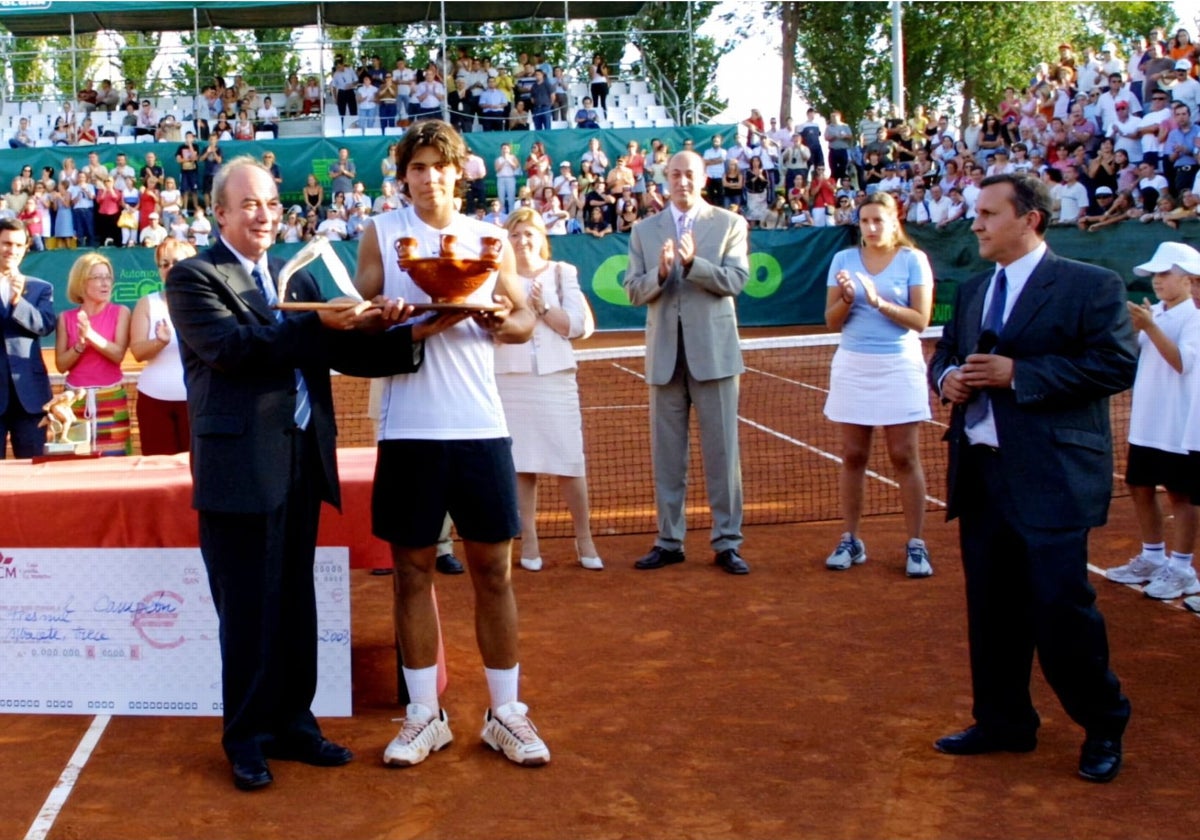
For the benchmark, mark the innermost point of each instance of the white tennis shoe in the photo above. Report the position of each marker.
(423, 732)
(510, 731)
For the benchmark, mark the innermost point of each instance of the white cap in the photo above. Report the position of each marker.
(1168, 256)
(1183, 64)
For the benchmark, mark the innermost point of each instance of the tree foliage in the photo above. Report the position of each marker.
(953, 52)
(211, 53)
(1123, 22)
(843, 63)
(136, 52)
(671, 53)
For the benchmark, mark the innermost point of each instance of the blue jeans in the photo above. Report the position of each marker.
(387, 114)
(85, 231)
(506, 186)
(541, 119)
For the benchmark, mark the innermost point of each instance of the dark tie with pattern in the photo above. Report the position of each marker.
(993, 322)
(303, 411)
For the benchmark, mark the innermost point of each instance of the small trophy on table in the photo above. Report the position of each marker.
(66, 434)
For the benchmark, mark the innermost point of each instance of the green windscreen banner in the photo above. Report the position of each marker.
(788, 269)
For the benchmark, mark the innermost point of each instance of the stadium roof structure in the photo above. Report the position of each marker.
(63, 17)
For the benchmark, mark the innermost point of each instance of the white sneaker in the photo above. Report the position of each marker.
(1170, 584)
(849, 551)
(531, 564)
(1138, 570)
(508, 730)
(423, 732)
(917, 564)
(593, 563)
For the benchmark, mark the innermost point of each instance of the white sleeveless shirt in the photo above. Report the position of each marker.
(453, 396)
(162, 377)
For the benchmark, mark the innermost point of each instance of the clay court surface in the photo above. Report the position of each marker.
(684, 702)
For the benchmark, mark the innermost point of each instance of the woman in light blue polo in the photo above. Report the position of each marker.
(880, 296)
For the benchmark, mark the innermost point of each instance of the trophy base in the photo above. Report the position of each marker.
(59, 451)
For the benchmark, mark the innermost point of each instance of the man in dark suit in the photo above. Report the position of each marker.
(26, 314)
(686, 266)
(1029, 360)
(263, 460)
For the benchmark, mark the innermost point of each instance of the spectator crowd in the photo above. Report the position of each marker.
(1115, 137)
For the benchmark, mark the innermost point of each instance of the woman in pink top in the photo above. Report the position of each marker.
(149, 201)
(89, 345)
(108, 211)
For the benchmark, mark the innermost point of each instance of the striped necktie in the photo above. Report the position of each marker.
(685, 225)
(303, 411)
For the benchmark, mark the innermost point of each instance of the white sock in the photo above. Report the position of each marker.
(915, 542)
(422, 686)
(1155, 552)
(502, 684)
(1181, 562)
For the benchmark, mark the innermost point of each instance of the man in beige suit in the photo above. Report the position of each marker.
(686, 265)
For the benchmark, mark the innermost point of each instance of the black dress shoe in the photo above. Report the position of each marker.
(319, 752)
(659, 557)
(976, 741)
(448, 564)
(732, 562)
(1100, 759)
(251, 773)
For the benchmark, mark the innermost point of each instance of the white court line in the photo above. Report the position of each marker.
(807, 446)
(829, 455)
(66, 782)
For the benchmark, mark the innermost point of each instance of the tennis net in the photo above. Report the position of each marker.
(790, 453)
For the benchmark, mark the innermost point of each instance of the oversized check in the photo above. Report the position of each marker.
(134, 632)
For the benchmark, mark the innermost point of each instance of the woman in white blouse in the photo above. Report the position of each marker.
(537, 387)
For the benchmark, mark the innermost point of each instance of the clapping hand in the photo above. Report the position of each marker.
(537, 296)
(687, 249)
(1141, 314)
(846, 286)
(869, 291)
(666, 261)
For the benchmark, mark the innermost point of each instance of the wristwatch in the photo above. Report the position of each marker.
(545, 308)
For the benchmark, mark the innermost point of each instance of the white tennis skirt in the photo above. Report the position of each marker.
(878, 389)
(544, 422)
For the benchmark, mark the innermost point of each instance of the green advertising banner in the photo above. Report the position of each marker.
(787, 274)
(299, 156)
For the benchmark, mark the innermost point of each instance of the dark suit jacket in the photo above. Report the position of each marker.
(1072, 345)
(22, 325)
(239, 365)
